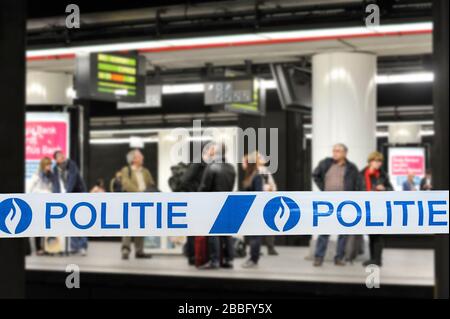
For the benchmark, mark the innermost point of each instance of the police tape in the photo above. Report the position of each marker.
(223, 213)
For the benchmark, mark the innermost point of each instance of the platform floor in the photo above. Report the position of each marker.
(401, 266)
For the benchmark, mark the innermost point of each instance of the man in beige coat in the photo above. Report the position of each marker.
(135, 178)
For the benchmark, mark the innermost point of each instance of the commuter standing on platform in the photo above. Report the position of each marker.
(335, 174)
(190, 182)
(41, 183)
(135, 178)
(409, 184)
(218, 176)
(426, 184)
(269, 186)
(374, 178)
(253, 182)
(67, 179)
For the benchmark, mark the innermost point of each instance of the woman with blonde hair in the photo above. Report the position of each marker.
(41, 182)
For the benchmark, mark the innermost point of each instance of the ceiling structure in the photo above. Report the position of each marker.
(121, 20)
(273, 49)
(185, 41)
(192, 34)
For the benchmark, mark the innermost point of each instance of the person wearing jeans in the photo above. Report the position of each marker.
(67, 179)
(253, 182)
(335, 174)
(322, 244)
(223, 244)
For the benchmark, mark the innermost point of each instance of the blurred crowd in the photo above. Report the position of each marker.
(214, 174)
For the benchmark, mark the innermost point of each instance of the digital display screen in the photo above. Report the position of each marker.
(256, 105)
(233, 91)
(294, 87)
(111, 77)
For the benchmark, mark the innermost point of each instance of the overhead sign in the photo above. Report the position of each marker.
(224, 213)
(232, 91)
(110, 77)
(257, 104)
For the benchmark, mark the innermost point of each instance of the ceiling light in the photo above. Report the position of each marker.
(405, 78)
(183, 88)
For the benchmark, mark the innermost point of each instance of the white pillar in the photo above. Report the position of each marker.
(344, 105)
(166, 143)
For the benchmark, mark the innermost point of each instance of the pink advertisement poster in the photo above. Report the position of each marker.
(43, 138)
(404, 164)
(45, 133)
(404, 161)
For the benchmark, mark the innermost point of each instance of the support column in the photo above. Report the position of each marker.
(80, 136)
(12, 136)
(440, 144)
(344, 105)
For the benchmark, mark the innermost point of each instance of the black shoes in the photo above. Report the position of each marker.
(318, 261)
(142, 256)
(227, 265)
(191, 261)
(126, 255)
(339, 262)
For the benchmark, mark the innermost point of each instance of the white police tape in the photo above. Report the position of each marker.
(227, 213)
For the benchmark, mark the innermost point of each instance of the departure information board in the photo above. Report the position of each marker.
(111, 77)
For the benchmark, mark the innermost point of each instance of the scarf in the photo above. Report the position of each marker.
(368, 176)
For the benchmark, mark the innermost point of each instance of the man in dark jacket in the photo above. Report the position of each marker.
(218, 176)
(190, 182)
(335, 174)
(374, 178)
(67, 179)
(191, 179)
(67, 175)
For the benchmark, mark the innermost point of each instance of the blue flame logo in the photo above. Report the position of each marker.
(281, 213)
(15, 216)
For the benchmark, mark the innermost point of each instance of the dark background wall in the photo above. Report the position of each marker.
(12, 136)
(440, 151)
(405, 94)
